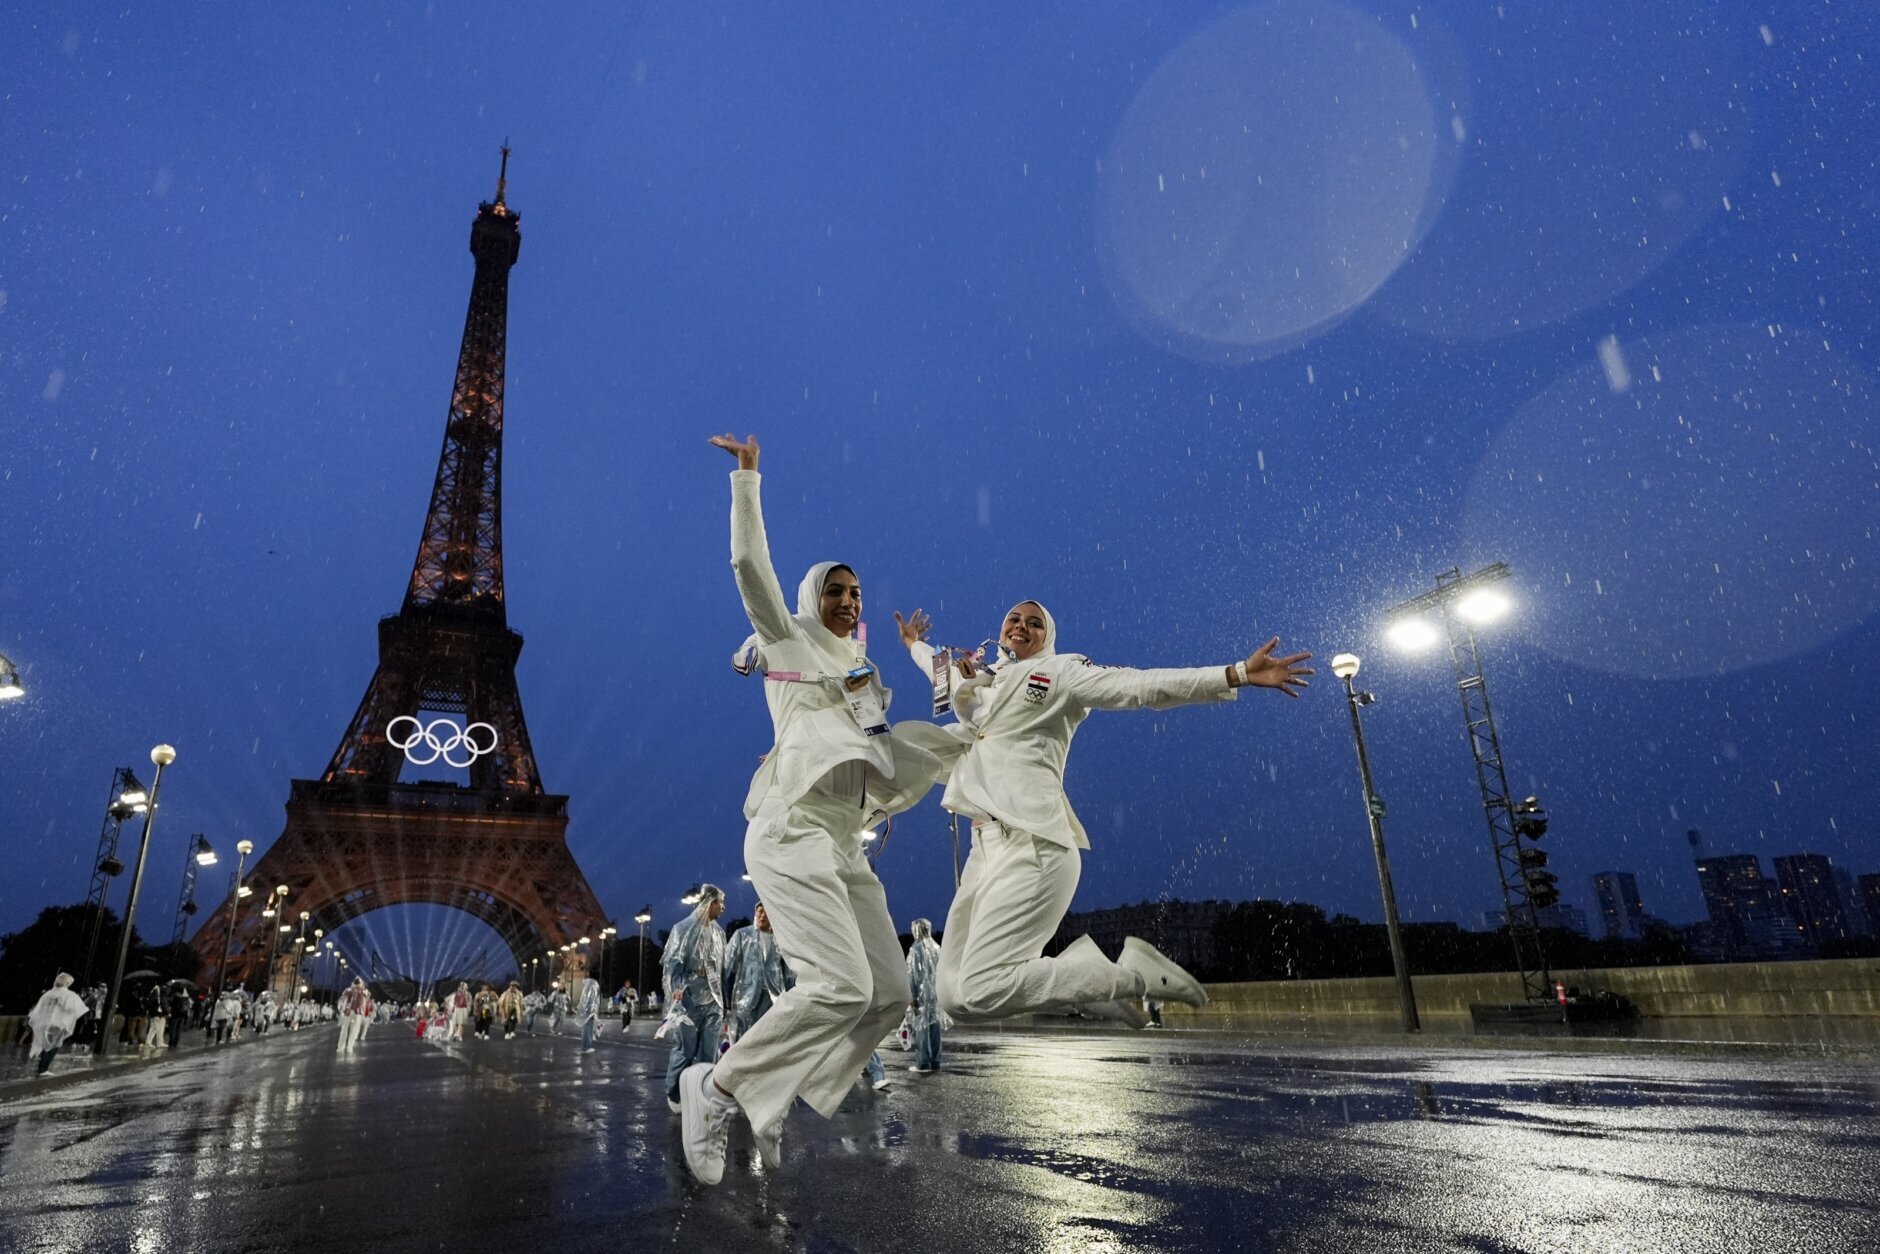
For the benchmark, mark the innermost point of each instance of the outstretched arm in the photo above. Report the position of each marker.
(750, 548)
(1123, 688)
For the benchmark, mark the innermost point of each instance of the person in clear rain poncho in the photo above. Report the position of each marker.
(755, 974)
(694, 968)
(587, 1010)
(924, 1016)
(53, 1017)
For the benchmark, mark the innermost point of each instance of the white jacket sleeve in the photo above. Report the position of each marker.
(750, 560)
(1124, 688)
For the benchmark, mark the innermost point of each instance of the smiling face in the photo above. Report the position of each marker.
(1023, 632)
(841, 604)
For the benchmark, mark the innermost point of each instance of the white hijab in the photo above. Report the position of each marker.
(839, 649)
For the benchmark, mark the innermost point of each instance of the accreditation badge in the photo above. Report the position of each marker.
(942, 682)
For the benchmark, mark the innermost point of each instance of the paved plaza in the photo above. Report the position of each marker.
(1027, 1141)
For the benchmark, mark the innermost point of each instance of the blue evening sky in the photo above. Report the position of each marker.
(1199, 323)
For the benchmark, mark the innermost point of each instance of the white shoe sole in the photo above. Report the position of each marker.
(770, 1147)
(1165, 980)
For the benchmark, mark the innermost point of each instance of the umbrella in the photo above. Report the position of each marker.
(180, 980)
(140, 975)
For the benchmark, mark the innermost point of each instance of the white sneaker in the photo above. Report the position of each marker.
(1127, 1013)
(883, 1084)
(707, 1123)
(770, 1144)
(673, 1106)
(1164, 980)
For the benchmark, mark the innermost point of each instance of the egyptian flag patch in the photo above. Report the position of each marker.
(1037, 688)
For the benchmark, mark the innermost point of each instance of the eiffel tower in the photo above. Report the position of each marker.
(357, 839)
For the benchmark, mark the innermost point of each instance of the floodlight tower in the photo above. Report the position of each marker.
(1462, 602)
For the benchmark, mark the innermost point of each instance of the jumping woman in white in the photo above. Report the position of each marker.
(1026, 859)
(834, 769)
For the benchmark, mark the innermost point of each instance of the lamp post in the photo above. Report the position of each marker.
(607, 942)
(1345, 666)
(644, 917)
(300, 948)
(276, 906)
(235, 891)
(161, 756)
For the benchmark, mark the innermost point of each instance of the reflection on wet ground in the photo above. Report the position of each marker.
(1033, 1142)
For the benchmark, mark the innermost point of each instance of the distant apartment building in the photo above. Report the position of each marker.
(1811, 897)
(1184, 930)
(1621, 911)
(1869, 889)
(1853, 904)
(1559, 915)
(1748, 919)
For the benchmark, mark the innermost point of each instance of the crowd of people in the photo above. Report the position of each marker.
(160, 1016)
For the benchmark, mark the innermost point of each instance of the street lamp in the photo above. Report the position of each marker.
(161, 756)
(10, 685)
(644, 917)
(607, 942)
(277, 906)
(1345, 666)
(300, 945)
(235, 890)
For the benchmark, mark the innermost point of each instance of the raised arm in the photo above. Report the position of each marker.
(750, 549)
(963, 678)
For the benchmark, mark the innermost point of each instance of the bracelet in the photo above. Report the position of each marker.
(1240, 674)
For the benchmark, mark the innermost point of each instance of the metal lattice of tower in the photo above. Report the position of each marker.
(358, 839)
(1499, 807)
(105, 864)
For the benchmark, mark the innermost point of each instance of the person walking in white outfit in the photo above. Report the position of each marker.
(1027, 842)
(355, 1007)
(834, 769)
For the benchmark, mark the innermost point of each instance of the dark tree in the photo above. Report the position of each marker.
(56, 941)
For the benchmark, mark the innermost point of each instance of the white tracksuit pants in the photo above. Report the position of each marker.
(352, 1029)
(1012, 896)
(830, 916)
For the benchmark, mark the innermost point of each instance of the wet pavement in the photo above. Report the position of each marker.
(1026, 1141)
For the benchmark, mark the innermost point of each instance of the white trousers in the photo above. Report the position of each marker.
(1013, 895)
(154, 1030)
(830, 917)
(352, 1029)
(458, 1017)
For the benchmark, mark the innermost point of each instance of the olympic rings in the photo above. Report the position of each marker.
(459, 739)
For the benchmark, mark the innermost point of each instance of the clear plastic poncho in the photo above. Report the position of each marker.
(755, 976)
(693, 966)
(923, 980)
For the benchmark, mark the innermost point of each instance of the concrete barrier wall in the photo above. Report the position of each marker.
(1843, 988)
